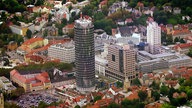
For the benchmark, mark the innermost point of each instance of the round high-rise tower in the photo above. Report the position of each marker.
(84, 55)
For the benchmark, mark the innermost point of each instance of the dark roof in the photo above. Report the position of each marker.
(126, 30)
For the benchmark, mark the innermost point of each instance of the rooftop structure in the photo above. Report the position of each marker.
(148, 62)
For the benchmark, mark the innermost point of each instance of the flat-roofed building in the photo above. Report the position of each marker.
(149, 62)
(100, 64)
(65, 52)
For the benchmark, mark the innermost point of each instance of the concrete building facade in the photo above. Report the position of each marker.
(154, 37)
(121, 62)
(65, 52)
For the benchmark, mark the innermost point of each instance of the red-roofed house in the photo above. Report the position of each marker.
(68, 28)
(33, 82)
(81, 100)
(133, 95)
(153, 105)
(31, 44)
(102, 103)
(183, 48)
(181, 33)
(103, 3)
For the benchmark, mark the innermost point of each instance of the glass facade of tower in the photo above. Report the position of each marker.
(84, 55)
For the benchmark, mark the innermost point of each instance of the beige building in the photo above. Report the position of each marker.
(121, 62)
(31, 82)
(1, 100)
(31, 44)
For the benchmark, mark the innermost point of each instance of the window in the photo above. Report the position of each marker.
(113, 57)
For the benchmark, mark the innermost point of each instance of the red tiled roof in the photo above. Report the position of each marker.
(104, 2)
(103, 102)
(32, 40)
(171, 82)
(43, 77)
(41, 49)
(184, 45)
(79, 98)
(16, 74)
(58, 41)
(178, 32)
(37, 84)
(69, 26)
(133, 96)
(34, 58)
(153, 105)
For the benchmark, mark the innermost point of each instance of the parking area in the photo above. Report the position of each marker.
(33, 99)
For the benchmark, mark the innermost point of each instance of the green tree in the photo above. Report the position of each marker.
(164, 90)
(42, 105)
(39, 2)
(119, 84)
(136, 82)
(169, 40)
(154, 85)
(105, 24)
(99, 16)
(105, 10)
(190, 52)
(132, 104)
(45, 33)
(49, 17)
(166, 105)
(156, 95)
(4, 28)
(176, 39)
(64, 22)
(182, 40)
(96, 98)
(28, 34)
(189, 94)
(142, 95)
(88, 10)
(63, 1)
(171, 91)
(77, 106)
(113, 105)
(10, 105)
(181, 80)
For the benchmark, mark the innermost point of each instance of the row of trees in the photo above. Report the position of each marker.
(46, 66)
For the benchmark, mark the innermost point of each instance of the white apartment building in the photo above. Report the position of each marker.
(65, 52)
(6, 85)
(100, 64)
(154, 37)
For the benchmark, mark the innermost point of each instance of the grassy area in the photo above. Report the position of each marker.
(172, 21)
